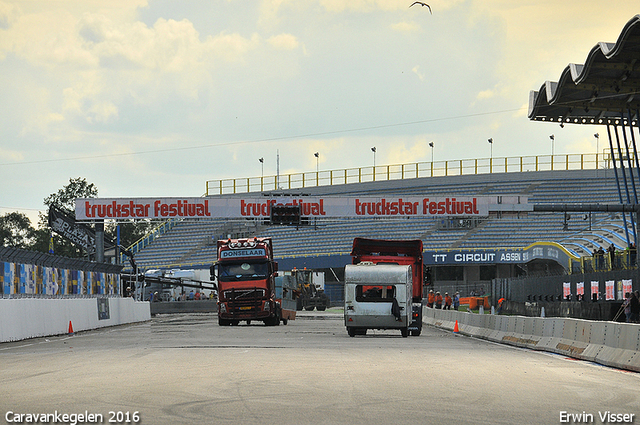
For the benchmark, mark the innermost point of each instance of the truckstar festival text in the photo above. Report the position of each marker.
(327, 207)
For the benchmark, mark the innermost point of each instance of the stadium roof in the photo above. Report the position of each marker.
(603, 90)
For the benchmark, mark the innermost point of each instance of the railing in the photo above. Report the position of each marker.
(622, 260)
(137, 246)
(410, 171)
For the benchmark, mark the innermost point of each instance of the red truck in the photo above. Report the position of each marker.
(246, 273)
(400, 252)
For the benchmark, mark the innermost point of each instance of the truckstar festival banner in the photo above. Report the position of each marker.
(89, 209)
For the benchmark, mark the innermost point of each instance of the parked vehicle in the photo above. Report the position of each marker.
(286, 294)
(396, 252)
(246, 273)
(377, 296)
(310, 287)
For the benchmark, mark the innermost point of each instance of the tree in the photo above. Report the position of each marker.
(16, 230)
(41, 238)
(130, 231)
(65, 198)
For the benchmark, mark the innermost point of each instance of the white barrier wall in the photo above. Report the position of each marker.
(609, 343)
(22, 318)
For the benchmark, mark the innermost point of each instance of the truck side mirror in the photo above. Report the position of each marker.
(212, 272)
(275, 266)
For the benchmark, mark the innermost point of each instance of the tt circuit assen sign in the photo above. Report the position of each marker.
(254, 207)
(538, 250)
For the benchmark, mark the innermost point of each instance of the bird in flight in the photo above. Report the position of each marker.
(422, 4)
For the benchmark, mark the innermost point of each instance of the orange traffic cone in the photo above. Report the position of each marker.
(70, 328)
(455, 328)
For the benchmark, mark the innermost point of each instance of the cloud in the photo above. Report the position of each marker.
(94, 40)
(86, 78)
(101, 64)
(102, 112)
(284, 42)
(11, 154)
(360, 5)
(486, 94)
(231, 47)
(537, 40)
(416, 71)
(8, 14)
(584, 144)
(416, 152)
(406, 27)
(523, 111)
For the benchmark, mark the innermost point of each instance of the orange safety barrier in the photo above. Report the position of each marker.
(476, 302)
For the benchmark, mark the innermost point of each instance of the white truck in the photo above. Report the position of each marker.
(377, 296)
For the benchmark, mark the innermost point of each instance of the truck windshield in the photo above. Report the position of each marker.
(243, 271)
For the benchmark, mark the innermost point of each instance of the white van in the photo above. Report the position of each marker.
(377, 296)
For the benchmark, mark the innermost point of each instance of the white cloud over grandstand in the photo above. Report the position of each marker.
(156, 97)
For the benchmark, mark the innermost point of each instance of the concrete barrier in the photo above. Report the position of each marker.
(23, 318)
(174, 307)
(568, 343)
(608, 343)
(597, 334)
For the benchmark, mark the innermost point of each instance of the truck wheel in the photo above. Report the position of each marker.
(309, 307)
(415, 333)
(223, 322)
(272, 321)
(405, 332)
(351, 332)
(285, 321)
(321, 308)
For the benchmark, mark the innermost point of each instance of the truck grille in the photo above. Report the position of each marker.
(244, 300)
(240, 294)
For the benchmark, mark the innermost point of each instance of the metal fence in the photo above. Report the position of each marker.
(409, 171)
(550, 288)
(35, 274)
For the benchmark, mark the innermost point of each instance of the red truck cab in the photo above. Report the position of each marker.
(246, 273)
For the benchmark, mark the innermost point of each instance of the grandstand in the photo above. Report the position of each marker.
(601, 92)
(326, 243)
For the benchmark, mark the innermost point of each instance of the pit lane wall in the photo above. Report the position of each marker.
(23, 318)
(608, 343)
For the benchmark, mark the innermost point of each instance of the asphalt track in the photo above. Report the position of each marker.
(185, 369)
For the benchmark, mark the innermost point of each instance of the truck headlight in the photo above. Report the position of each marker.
(267, 306)
(223, 308)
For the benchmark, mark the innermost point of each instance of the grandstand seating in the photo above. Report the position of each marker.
(192, 242)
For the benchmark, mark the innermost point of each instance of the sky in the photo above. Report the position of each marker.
(155, 97)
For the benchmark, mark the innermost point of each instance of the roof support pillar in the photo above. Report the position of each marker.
(615, 170)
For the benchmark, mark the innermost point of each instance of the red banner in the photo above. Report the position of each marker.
(252, 207)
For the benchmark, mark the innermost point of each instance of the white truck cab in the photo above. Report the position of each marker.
(377, 296)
